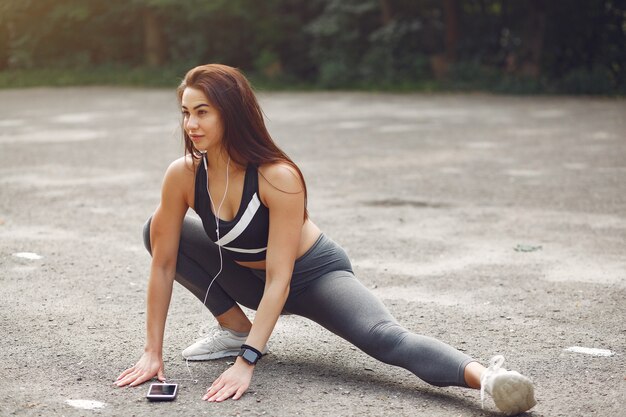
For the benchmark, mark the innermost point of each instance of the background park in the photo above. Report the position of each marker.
(528, 46)
(469, 155)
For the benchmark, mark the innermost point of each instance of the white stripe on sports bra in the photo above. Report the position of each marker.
(244, 250)
(241, 225)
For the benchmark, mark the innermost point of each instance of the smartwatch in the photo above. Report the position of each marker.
(250, 354)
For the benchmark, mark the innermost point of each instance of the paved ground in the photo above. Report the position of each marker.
(429, 194)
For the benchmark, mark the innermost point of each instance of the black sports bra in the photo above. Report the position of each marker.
(245, 236)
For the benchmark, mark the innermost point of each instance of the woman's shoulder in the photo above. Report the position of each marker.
(179, 180)
(183, 167)
(282, 176)
(181, 173)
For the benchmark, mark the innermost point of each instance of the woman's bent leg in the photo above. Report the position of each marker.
(199, 261)
(339, 302)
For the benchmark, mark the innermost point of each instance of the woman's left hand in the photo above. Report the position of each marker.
(232, 383)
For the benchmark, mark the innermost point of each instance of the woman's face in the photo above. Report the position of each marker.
(201, 120)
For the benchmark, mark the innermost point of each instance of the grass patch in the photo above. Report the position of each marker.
(460, 80)
(101, 76)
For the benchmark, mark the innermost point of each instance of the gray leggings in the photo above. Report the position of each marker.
(323, 289)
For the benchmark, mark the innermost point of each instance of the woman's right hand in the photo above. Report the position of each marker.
(149, 365)
(165, 231)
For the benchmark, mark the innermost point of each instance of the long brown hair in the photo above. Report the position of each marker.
(246, 138)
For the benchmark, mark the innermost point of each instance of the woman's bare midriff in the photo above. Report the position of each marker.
(310, 234)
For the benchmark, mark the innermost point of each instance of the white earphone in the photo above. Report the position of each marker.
(217, 218)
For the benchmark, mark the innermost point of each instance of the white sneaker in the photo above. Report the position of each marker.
(218, 343)
(512, 392)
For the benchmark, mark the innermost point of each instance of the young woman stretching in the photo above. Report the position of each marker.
(257, 238)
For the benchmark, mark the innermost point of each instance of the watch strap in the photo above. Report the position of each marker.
(245, 347)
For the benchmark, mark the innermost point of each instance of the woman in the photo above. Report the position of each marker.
(256, 246)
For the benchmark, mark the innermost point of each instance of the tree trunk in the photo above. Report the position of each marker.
(533, 39)
(385, 12)
(154, 40)
(451, 22)
(5, 43)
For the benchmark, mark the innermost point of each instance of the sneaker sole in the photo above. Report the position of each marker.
(513, 393)
(211, 356)
(217, 355)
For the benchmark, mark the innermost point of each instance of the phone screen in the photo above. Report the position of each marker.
(162, 389)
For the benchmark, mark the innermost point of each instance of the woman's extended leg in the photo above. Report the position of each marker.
(339, 302)
(328, 292)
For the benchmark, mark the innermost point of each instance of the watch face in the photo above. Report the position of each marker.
(250, 356)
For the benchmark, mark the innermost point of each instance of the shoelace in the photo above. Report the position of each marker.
(495, 364)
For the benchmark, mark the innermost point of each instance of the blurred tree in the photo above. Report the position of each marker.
(588, 40)
(441, 62)
(67, 33)
(340, 38)
(386, 12)
(451, 15)
(579, 45)
(4, 45)
(155, 48)
(372, 41)
(533, 38)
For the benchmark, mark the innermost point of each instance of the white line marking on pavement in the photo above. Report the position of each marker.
(27, 255)
(86, 404)
(590, 351)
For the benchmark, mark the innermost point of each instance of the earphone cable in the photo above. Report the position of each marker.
(219, 249)
(217, 220)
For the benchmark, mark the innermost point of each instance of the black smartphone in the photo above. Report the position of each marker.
(162, 392)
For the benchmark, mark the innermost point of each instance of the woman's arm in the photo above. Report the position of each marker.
(284, 196)
(285, 200)
(164, 237)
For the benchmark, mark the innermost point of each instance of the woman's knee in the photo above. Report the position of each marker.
(383, 340)
(146, 235)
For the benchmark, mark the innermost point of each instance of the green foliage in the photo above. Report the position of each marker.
(384, 44)
(105, 75)
(598, 80)
(354, 46)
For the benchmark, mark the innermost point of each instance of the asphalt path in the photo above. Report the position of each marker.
(494, 223)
